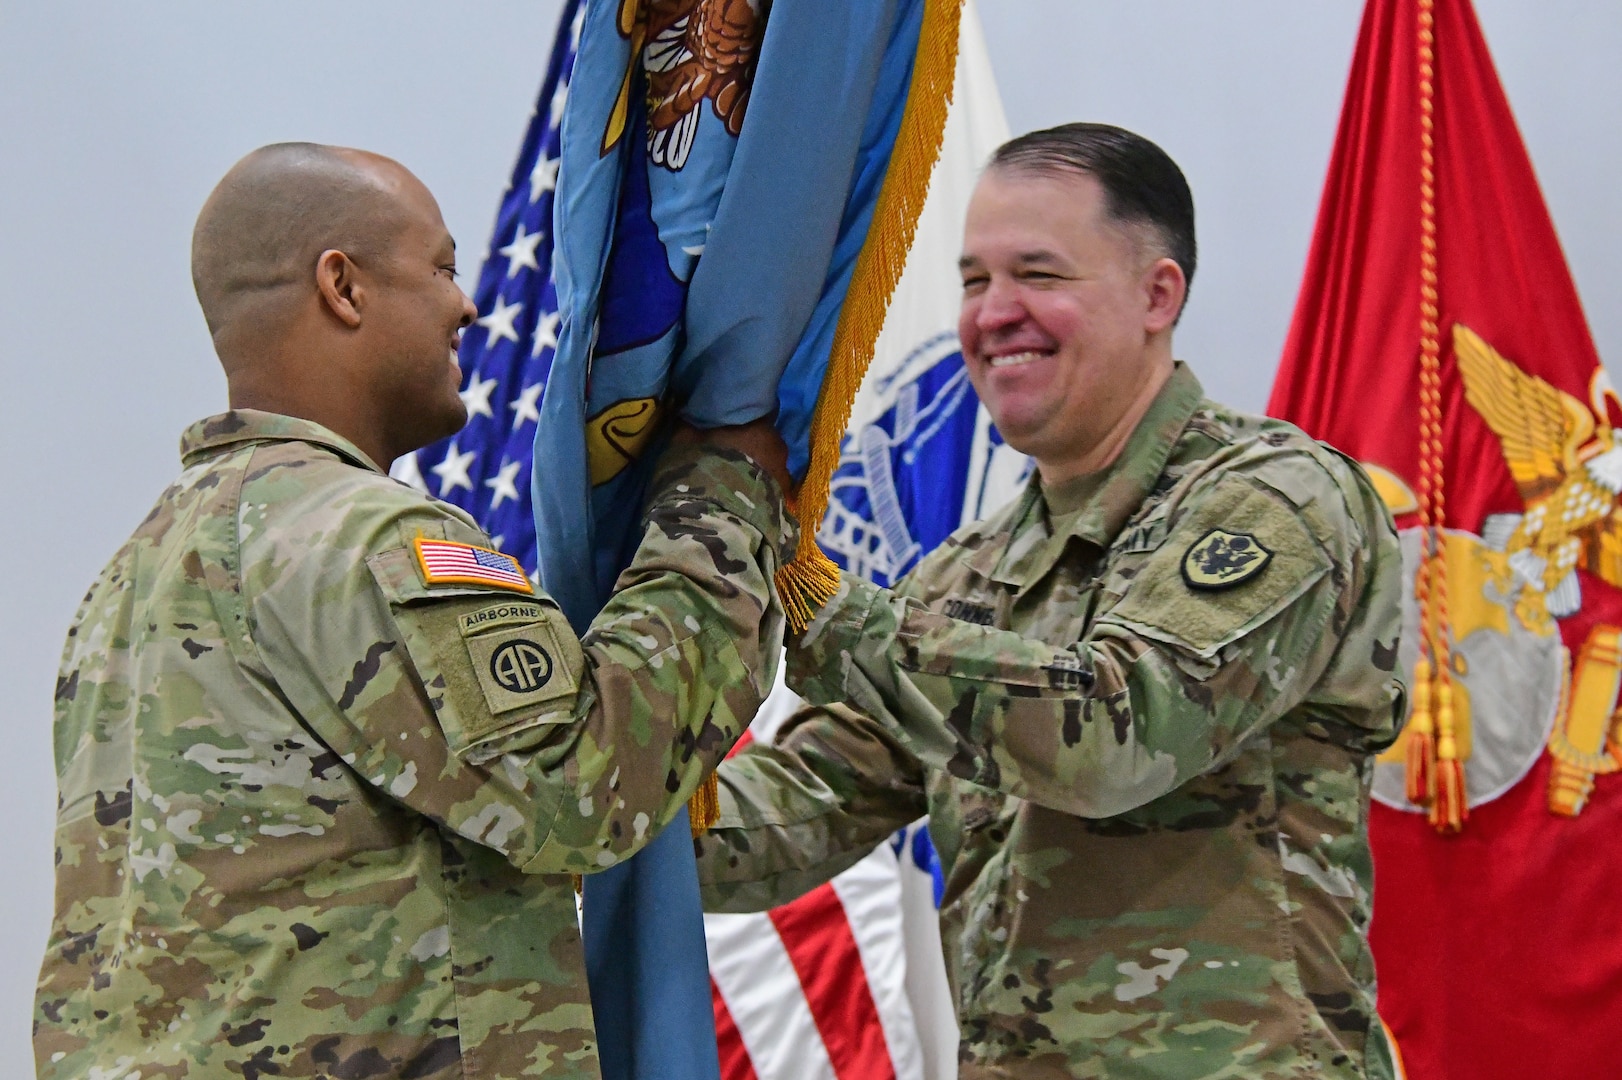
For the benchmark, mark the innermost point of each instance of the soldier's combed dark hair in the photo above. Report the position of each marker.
(1142, 184)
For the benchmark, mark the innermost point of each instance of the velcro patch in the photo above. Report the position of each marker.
(517, 655)
(1165, 600)
(448, 562)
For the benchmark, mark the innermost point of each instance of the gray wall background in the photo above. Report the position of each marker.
(116, 120)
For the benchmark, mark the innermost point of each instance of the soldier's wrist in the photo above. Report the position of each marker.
(816, 669)
(725, 478)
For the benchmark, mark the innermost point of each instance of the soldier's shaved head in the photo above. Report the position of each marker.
(259, 234)
(327, 278)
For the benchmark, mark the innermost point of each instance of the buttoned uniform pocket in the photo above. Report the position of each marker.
(497, 663)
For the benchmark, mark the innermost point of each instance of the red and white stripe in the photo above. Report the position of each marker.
(452, 561)
(821, 988)
(816, 989)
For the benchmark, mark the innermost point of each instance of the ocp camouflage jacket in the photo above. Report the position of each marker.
(325, 770)
(1150, 799)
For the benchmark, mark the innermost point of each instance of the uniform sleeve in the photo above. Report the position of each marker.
(476, 705)
(794, 813)
(1223, 628)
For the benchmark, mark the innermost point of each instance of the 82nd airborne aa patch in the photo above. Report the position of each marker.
(1221, 559)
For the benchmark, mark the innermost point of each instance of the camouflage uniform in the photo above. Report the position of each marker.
(311, 826)
(1151, 799)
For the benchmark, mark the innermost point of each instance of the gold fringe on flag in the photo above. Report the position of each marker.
(704, 808)
(807, 581)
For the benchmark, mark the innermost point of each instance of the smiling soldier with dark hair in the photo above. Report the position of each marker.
(1140, 705)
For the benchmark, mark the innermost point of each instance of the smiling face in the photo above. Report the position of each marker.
(417, 320)
(1066, 316)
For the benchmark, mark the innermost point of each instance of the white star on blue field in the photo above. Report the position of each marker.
(507, 352)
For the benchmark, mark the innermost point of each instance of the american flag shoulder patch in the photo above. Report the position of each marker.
(447, 562)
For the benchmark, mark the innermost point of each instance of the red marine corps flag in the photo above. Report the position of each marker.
(1439, 340)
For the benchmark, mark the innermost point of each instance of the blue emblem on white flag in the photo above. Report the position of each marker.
(929, 461)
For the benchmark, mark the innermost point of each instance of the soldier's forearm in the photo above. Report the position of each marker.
(796, 813)
(1094, 730)
(783, 886)
(677, 664)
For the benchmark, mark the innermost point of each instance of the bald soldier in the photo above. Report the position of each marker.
(1139, 706)
(326, 760)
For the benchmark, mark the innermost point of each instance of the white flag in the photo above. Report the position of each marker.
(848, 983)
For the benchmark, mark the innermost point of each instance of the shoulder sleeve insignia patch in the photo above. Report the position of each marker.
(447, 562)
(1222, 559)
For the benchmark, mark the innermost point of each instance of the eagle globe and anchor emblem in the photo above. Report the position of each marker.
(1516, 688)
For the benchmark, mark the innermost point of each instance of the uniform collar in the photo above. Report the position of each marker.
(250, 425)
(1037, 541)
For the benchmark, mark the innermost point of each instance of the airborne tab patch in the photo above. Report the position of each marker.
(447, 562)
(521, 659)
(1221, 559)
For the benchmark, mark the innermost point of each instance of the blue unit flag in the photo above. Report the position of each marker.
(721, 163)
(694, 199)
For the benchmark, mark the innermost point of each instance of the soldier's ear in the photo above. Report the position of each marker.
(337, 278)
(1165, 288)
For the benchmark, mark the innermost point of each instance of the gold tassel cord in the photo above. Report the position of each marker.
(808, 580)
(1421, 778)
(1451, 805)
(1442, 775)
(1421, 758)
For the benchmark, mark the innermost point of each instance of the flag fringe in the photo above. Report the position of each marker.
(704, 808)
(809, 580)
(805, 583)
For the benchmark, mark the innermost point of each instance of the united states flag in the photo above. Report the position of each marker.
(447, 560)
(507, 353)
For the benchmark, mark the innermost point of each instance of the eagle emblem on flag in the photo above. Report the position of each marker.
(697, 51)
(692, 51)
(1567, 466)
(1517, 690)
